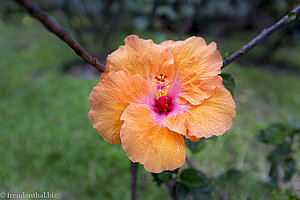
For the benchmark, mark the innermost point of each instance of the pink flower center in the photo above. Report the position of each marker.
(162, 103)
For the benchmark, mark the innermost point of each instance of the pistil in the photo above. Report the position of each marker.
(162, 103)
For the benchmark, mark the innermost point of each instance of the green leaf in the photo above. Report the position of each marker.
(195, 147)
(183, 191)
(291, 16)
(293, 125)
(193, 177)
(278, 154)
(290, 195)
(275, 133)
(228, 82)
(274, 174)
(202, 192)
(163, 177)
(289, 167)
(232, 175)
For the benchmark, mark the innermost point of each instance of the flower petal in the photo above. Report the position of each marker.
(109, 99)
(167, 43)
(143, 57)
(197, 67)
(213, 117)
(146, 142)
(194, 139)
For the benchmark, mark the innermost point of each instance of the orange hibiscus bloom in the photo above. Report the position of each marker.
(151, 96)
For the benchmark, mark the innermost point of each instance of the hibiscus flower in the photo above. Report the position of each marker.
(152, 96)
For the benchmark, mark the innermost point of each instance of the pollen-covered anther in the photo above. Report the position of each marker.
(160, 86)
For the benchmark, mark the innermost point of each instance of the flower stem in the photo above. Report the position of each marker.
(133, 172)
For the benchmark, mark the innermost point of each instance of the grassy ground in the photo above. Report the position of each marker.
(47, 142)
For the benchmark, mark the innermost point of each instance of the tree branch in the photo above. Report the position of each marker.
(60, 32)
(263, 35)
(133, 172)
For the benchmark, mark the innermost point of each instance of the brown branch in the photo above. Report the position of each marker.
(133, 173)
(60, 32)
(263, 35)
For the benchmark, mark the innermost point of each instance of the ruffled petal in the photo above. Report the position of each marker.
(104, 74)
(154, 146)
(109, 99)
(143, 57)
(194, 139)
(213, 117)
(197, 66)
(167, 43)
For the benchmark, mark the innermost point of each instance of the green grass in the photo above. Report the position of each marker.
(47, 142)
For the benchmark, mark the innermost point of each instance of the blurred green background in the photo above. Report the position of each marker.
(47, 143)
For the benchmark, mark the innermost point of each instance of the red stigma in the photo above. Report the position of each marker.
(163, 105)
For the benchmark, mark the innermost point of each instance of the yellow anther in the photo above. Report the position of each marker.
(160, 85)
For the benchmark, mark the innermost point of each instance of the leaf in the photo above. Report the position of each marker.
(183, 191)
(274, 173)
(291, 16)
(290, 195)
(289, 167)
(232, 175)
(278, 153)
(275, 133)
(228, 82)
(195, 147)
(293, 125)
(193, 177)
(162, 177)
(202, 192)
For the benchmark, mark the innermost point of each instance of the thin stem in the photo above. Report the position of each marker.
(171, 188)
(133, 172)
(258, 39)
(60, 32)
